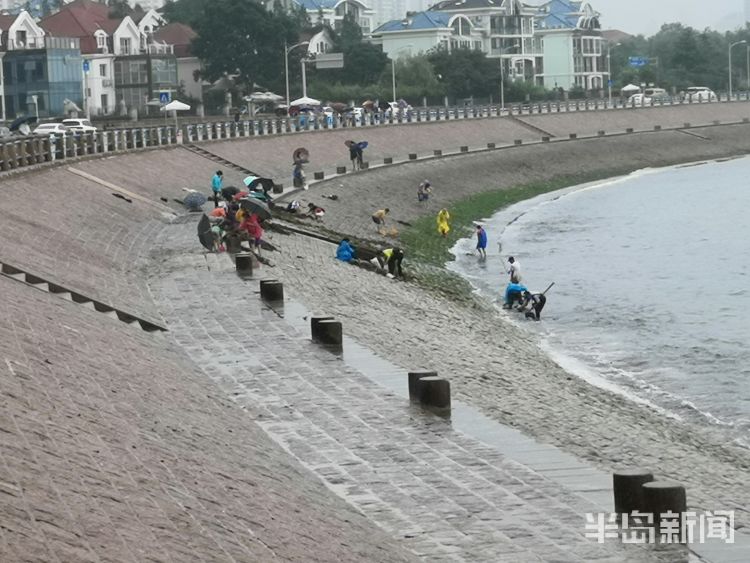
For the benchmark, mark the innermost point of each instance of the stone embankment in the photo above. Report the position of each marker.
(117, 446)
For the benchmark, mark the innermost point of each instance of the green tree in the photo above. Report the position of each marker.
(250, 44)
(350, 34)
(189, 12)
(118, 8)
(466, 72)
(415, 78)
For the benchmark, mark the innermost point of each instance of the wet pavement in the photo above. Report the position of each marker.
(466, 489)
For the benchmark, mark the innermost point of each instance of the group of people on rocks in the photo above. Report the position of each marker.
(230, 219)
(518, 295)
(389, 259)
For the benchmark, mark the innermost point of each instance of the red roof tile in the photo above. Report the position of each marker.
(81, 19)
(177, 34)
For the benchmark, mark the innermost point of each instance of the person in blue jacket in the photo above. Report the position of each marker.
(345, 252)
(481, 241)
(514, 292)
(216, 185)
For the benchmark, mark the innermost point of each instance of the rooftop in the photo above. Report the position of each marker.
(422, 20)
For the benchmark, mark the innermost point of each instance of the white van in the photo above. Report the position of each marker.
(656, 94)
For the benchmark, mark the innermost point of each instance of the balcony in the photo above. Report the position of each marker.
(108, 83)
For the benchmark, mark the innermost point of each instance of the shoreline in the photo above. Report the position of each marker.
(491, 362)
(564, 358)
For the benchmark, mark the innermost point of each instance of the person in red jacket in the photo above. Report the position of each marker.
(251, 225)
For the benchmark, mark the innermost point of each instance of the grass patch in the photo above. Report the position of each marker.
(428, 251)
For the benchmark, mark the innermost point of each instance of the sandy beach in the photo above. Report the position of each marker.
(492, 363)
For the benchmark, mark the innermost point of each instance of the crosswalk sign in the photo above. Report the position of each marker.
(164, 97)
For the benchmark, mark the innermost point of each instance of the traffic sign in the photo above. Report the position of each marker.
(86, 66)
(610, 82)
(637, 61)
(329, 60)
(164, 97)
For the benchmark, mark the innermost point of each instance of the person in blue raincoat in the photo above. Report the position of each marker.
(345, 252)
(216, 185)
(514, 293)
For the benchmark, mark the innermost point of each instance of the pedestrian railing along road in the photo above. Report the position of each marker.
(19, 152)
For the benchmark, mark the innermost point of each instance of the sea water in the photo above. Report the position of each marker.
(652, 285)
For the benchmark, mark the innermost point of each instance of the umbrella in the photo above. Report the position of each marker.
(229, 192)
(175, 106)
(20, 121)
(305, 101)
(263, 97)
(362, 145)
(266, 184)
(194, 200)
(301, 155)
(349, 144)
(338, 107)
(256, 206)
(204, 232)
(630, 88)
(368, 104)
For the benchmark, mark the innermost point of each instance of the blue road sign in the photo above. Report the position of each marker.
(610, 82)
(86, 66)
(164, 97)
(637, 61)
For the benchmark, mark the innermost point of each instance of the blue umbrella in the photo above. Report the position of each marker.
(193, 201)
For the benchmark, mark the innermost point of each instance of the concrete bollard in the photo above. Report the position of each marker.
(271, 290)
(518, 142)
(278, 188)
(365, 165)
(490, 145)
(435, 393)
(437, 152)
(412, 156)
(627, 486)
(319, 175)
(243, 262)
(664, 496)
(388, 160)
(414, 377)
(601, 133)
(573, 136)
(341, 170)
(657, 127)
(629, 130)
(330, 333)
(716, 122)
(233, 244)
(746, 119)
(545, 139)
(314, 327)
(464, 148)
(686, 125)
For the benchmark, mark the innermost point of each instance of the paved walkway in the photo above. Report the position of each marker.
(440, 492)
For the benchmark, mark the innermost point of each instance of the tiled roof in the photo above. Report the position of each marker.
(81, 19)
(422, 20)
(314, 5)
(177, 34)
(466, 4)
(6, 22)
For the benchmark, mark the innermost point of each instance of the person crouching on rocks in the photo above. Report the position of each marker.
(392, 258)
(345, 252)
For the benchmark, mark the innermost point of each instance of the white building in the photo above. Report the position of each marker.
(422, 32)
(332, 12)
(574, 50)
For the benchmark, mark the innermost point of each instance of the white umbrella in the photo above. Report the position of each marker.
(263, 97)
(175, 106)
(630, 88)
(304, 102)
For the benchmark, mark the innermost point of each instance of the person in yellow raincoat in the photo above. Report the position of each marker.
(443, 225)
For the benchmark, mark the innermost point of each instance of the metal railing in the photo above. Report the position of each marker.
(16, 152)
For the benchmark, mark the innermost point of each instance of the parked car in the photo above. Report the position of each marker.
(700, 94)
(79, 125)
(52, 129)
(659, 95)
(639, 100)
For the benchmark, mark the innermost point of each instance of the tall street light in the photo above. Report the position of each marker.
(609, 70)
(747, 60)
(743, 42)
(393, 67)
(288, 50)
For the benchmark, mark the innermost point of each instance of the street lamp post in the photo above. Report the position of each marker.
(609, 71)
(393, 67)
(747, 61)
(288, 50)
(504, 50)
(743, 42)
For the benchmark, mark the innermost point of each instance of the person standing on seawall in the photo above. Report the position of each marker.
(216, 184)
(443, 222)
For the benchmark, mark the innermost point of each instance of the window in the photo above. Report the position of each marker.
(103, 71)
(20, 39)
(125, 45)
(37, 74)
(105, 103)
(101, 40)
(8, 72)
(10, 105)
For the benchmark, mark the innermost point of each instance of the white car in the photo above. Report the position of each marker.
(51, 129)
(82, 125)
(639, 100)
(700, 94)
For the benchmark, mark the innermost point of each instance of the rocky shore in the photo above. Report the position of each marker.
(493, 364)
